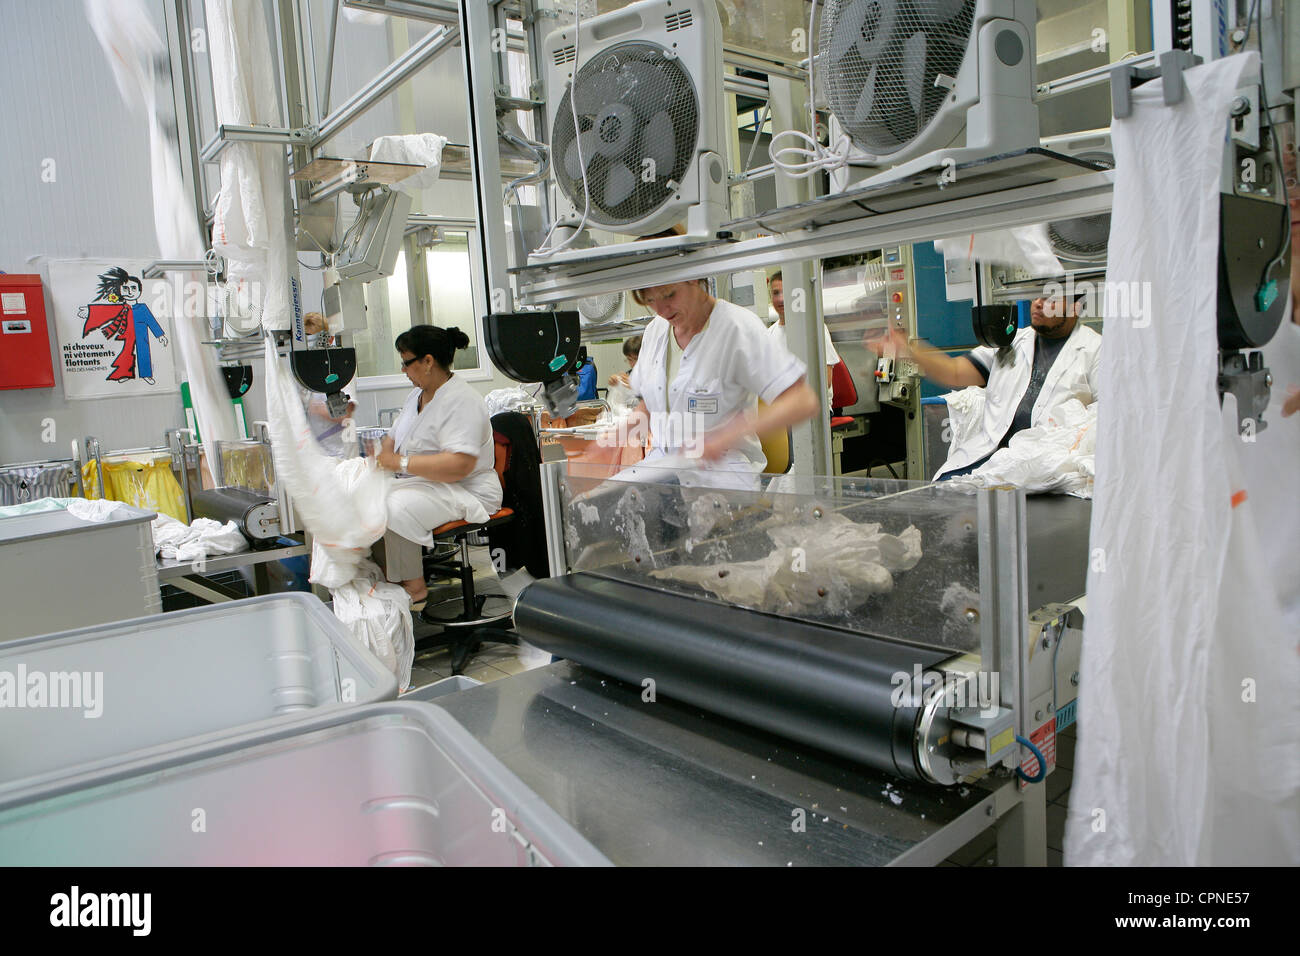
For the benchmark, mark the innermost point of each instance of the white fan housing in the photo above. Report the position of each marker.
(598, 309)
(1081, 243)
(889, 77)
(648, 86)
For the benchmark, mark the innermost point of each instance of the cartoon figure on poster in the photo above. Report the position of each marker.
(118, 313)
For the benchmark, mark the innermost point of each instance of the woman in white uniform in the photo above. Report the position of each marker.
(703, 366)
(442, 449)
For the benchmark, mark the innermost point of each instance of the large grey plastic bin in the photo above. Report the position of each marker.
(58, 571)
(385, 784)
(185, 674)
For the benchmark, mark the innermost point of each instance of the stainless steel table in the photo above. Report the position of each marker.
(663, 783)
(187, 576)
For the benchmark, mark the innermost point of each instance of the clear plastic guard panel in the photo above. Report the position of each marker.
(894, 559)
(248, 464)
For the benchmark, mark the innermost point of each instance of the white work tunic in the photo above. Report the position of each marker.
(777, 331)
(454, 420)
(725, 369)
(1074, 374)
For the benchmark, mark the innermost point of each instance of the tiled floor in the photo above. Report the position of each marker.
(492, 662)
(983, 850)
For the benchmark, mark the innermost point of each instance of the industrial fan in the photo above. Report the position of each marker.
(1080, 243)
(599, 309)
(906, 79)
(645, 83)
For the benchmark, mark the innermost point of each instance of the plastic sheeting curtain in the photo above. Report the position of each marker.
(134, 50)
(1188, 700)
(251, 228)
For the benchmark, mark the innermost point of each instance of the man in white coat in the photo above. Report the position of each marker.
(1055, 358)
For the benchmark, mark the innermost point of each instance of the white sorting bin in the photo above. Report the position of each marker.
(119, 688)
(58, 571)
(400, 783)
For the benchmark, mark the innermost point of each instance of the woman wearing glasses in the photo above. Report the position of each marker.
(441, 448)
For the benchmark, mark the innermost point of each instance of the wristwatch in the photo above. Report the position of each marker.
(403, 462)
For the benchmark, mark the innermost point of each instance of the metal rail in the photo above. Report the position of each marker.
(1087, 194)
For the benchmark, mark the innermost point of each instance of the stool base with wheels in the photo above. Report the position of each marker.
(463, 618)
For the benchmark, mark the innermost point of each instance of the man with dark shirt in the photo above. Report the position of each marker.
(1053, 359)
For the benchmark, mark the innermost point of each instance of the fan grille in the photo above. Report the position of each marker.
(1084, 238)
(635, 103)
(881, 58)
(598, 308)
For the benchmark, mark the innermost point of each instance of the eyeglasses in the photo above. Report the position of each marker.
(410, 360)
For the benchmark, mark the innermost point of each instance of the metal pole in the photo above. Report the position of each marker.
(307, 66)
(803, 309)
(187, 115)
(329, 58)
(393, 75)
(476, 23)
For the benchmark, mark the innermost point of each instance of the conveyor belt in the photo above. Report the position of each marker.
(823, 687)
(667, 784)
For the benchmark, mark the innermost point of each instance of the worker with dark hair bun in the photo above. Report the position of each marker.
(442, 449)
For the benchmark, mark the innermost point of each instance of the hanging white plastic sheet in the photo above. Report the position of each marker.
(251, 227)
(1189, 687)
(134, 49)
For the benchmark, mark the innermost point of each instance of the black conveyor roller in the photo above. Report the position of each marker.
(823, 687)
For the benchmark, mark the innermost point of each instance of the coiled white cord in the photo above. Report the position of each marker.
(806, 160)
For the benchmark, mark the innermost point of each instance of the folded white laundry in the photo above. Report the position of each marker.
(203, 538)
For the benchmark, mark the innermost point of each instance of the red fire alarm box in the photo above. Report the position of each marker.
(24, 338)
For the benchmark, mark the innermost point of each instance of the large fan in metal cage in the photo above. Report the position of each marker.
(908, 77)
(597, 309)
(646, 150)
(882, 59)
(1082, 240)
(638, 121)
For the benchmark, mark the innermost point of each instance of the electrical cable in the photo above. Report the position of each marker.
(539, 151)
(1038, 755)
(543, 252)
(815, 157)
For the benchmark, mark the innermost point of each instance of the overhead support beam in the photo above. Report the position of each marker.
(396, 73)
(1094, 77)
(431, 11)
(160, 267)
(745, 85)
(1087, 194)
(252, 134)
